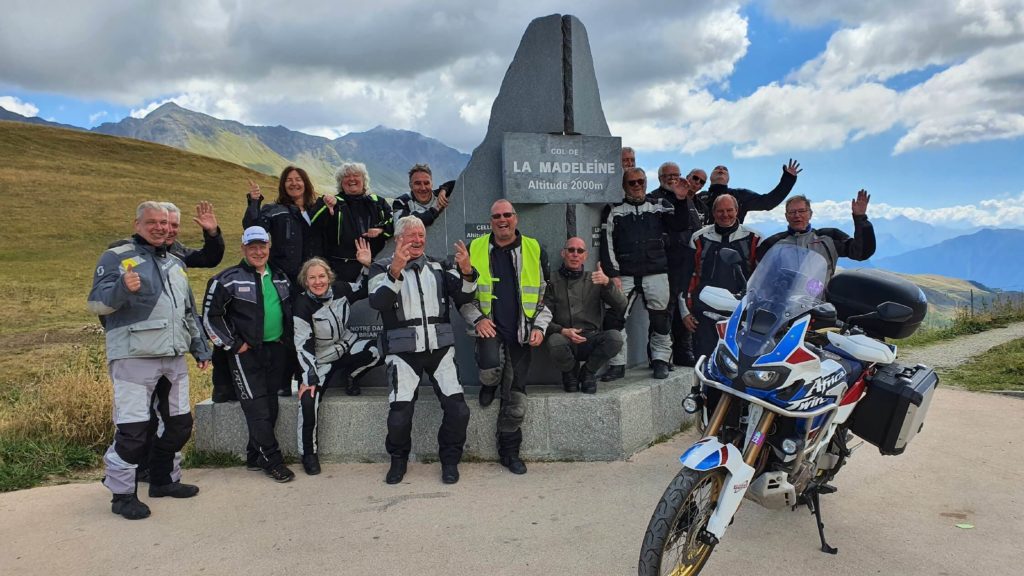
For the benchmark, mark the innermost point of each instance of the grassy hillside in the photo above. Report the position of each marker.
(65, 195)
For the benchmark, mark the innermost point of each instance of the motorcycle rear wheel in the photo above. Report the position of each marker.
(670, 544)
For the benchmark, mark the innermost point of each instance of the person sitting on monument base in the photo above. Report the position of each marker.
(422, 201)
(577, 299)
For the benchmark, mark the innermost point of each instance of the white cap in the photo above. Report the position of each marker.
(255, 234)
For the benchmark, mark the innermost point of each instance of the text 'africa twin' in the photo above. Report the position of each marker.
(780, 395)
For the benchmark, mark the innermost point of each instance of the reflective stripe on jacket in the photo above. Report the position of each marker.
(530, 275)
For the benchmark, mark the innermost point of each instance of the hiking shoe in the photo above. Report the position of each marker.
(487, 395)
(570, 383)
(174, 490)
(514, 464)
(353, 389)
(256, 465)
(397, 470)
(129, 506)
(280, 473)
(660, 369)
(613, 373)
(449, 473)
(311, 464)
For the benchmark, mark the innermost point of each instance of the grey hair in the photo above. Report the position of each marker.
(315, 261)
(171, 208)
(149, 205)
(628, 149)
(408, 222)
(352, 168)
(798, 198)
(735, 202)
(661, 169)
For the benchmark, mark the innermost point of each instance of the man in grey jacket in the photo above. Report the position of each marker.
(142, 295)
(576, 299)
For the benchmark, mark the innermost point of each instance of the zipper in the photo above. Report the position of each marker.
(423, 313)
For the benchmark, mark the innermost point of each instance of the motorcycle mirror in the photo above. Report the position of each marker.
(894, 312)
(729, 256)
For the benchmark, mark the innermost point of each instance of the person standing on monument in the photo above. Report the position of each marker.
(679, 192)
(422, 201)
(747, 200)
(634, 237)
(509, 319)
(414, 294)
(356, 212)
(628, 158)
(288, 221)
(141, 293)
(577, 332)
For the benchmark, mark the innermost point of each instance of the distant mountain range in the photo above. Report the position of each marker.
(388, 154)
(989, 257)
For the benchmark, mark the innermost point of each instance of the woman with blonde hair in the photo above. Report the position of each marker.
(329, 353)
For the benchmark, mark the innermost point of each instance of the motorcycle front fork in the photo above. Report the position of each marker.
(752, 449)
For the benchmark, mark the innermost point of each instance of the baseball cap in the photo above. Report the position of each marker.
(254, 234)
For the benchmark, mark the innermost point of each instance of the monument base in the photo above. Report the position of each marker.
(622, 418)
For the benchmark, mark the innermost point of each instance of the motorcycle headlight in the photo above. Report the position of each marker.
(726, 363)
(761, 379)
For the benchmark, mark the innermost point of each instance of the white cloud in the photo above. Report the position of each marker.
(14, 104)
(994, 212)
(95, 117)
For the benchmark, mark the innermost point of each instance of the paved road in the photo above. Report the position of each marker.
(892, 515)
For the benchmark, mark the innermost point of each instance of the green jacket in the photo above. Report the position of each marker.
(579, 303)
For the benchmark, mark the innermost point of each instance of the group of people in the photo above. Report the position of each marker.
(663, 246)
(282, 312)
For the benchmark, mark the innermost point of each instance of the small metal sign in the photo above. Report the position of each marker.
(552, 168)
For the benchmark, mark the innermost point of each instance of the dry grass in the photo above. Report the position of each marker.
(64, 196)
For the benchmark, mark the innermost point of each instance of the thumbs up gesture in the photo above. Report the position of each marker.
(131, 278)
(599, 277)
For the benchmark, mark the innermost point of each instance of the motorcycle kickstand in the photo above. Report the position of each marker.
(815, 505)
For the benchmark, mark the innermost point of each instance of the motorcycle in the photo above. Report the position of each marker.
(781, 397)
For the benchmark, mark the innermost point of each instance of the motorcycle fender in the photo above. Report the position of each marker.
(708, 454)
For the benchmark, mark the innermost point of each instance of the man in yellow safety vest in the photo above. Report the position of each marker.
(509, 319)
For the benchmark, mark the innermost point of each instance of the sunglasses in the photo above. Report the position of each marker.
(797, 212)
(636, 182)
(502, 215)
(576, 250)
(697, 179)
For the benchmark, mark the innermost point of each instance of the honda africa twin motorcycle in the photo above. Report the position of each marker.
(779, 397)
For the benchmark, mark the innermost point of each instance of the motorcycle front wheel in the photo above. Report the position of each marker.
(670, 544)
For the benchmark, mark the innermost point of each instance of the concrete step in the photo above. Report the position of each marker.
(622, 418)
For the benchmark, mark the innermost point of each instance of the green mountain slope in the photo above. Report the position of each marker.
(64, 195)
(388, 154)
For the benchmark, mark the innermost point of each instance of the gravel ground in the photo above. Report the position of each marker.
(952, 353)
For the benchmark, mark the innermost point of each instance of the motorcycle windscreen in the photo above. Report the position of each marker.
(788, 282)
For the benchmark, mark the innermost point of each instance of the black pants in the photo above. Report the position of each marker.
(258, 374)
(506, 365)
(679, 272)
(600, 347)
(705, 339)
(223, 383)
(451, 436)
(309, 405)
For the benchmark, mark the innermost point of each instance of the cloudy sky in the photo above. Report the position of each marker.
(919, 101)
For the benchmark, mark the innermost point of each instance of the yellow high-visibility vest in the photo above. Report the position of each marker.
(530, 275)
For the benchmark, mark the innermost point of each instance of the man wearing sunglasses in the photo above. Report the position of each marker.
(832, 243)
(509, 318)
(748, 200)
(635, 235)
(576, 332)
(680, 193)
